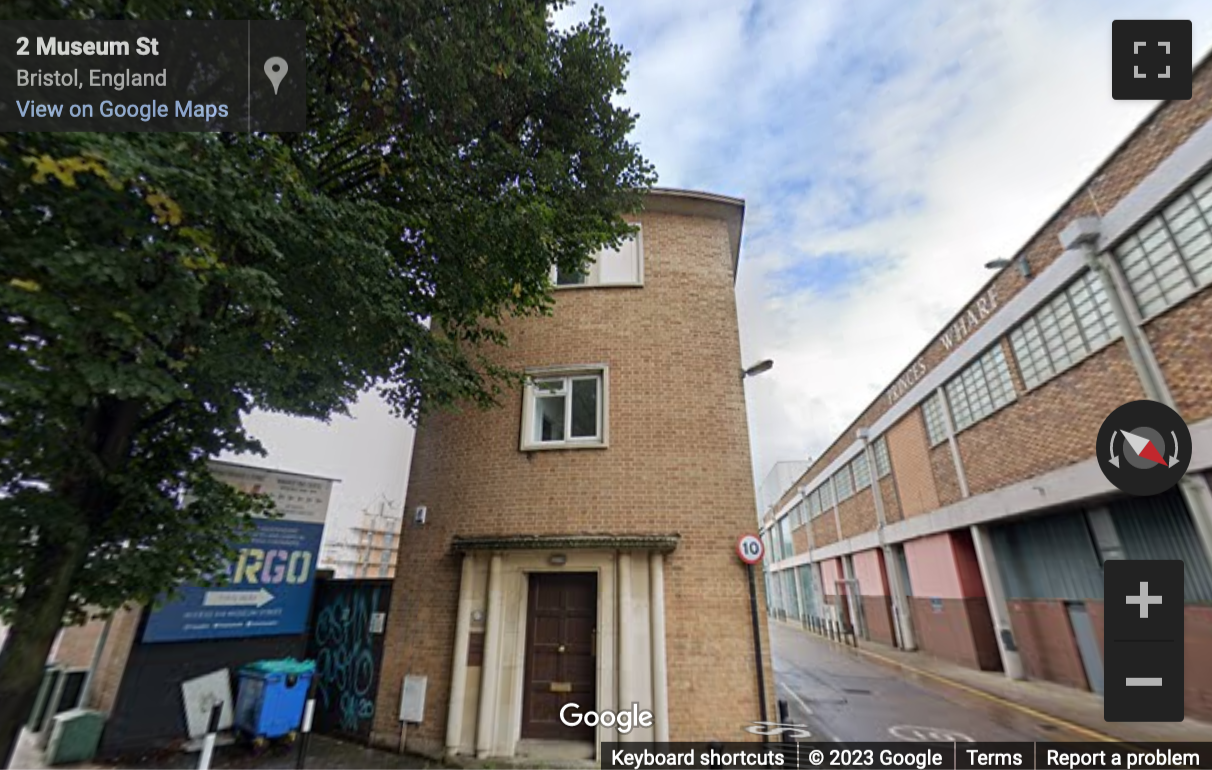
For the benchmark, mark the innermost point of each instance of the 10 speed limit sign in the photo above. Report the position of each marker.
(750, 549)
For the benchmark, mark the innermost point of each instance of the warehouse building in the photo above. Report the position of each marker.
(964, 513)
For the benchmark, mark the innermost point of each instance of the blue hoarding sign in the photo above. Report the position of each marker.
(270, 582)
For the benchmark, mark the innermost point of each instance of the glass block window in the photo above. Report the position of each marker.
(797, 514)
(1067, 329)
(826, 491)
(883, 463)
(982, 388)
(862, 471)
(844, 483)
(936, 425)
(1170, 256)
(814, 504)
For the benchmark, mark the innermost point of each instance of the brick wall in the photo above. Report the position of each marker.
(1181, 335)
(858, 514)
(911, 457)
(824, 529)
(678, 462)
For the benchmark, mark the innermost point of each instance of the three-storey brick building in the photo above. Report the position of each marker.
(964, 513)
(578, 544)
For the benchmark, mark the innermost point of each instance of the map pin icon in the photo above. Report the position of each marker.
(275, 70)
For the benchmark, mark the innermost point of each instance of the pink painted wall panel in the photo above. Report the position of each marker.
(869, 569)
(831, 572)
(932, 567)
(967, 564)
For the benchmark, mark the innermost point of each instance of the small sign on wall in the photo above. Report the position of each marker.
(936, 606)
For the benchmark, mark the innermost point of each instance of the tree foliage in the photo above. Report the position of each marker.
(155, 288)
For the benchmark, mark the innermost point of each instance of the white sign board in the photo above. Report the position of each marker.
(199, 696)
(412, 699)
(298, 498)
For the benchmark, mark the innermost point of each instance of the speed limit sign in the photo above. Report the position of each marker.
(750, 549)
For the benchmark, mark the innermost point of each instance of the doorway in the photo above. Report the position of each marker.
(1087, 645)
(561, 654)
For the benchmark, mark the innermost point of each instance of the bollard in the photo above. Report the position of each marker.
(308, 712)
(784, 713)
(208, 743)
(717, 748)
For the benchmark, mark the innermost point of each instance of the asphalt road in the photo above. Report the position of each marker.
(844, 697)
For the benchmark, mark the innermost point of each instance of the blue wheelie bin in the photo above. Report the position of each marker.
(271, 698)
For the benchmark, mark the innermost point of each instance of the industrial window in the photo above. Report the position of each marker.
(862, 471)
(623, 266)
(1170, 256)
(843, 482)
(565, 411)
(814, 504)
(1071, 326)
(797, 514)
(826, 491)
(936, 425)
(982, 388)
(785, 537)
(883, 463)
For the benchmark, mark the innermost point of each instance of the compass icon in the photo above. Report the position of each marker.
(1144, 448)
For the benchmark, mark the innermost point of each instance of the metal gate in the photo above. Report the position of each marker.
(346, 643)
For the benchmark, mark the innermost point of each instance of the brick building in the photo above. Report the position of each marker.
(578, 543)
(964, 513)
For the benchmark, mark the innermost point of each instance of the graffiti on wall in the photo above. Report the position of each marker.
(346, 663)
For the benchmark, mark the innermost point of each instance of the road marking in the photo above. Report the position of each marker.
(1093, 734)
(798, 700)
(917, 734)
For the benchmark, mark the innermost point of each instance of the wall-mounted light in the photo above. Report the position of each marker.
(1024, 267)
(477, 616)
(557, 560)
(758, 368)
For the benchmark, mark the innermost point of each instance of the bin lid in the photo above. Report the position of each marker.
(281, 666)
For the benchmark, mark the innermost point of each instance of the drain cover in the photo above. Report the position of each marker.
(855, 691)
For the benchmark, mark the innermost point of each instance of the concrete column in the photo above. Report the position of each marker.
(1084, 233)
(626, 646)
(458, 670)
(995, 595)
(491, 671)
(902, 619)
(956, 458)
(660, 678)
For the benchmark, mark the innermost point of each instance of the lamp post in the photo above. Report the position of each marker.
(758, 368)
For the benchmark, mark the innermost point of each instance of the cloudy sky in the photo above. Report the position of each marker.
(886, 150)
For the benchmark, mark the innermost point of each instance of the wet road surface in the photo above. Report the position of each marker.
(844, 697)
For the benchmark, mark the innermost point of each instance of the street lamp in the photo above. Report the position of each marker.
(758, 368)
(1023, 266)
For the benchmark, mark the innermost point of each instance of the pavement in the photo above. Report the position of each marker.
(874, 692)
(322, 752)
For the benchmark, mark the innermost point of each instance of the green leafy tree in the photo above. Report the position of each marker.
(155, 288)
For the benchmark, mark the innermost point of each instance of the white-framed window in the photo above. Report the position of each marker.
(983, 387)
(1170, 255)
(862, 471)
(936, 424)
(883, 462)
(1075, 323)
(565, 409)
(623, 266)
(843, 482)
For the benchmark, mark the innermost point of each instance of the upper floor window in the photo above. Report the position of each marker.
(1170, 256)
(565, 410)
(844, 483)
(826, 491)
(785, 538)
(936, 423)
(983, 387)
(623, 266)
(862, 471)
(883, 463)
(1071, 326)
(814, 504)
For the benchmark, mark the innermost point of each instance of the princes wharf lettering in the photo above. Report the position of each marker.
(976, 314)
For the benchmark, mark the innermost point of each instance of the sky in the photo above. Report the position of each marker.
(886, 149)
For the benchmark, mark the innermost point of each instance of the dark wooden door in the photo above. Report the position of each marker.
(561, 654)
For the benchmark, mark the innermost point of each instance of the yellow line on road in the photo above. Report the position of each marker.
(1086, 731)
